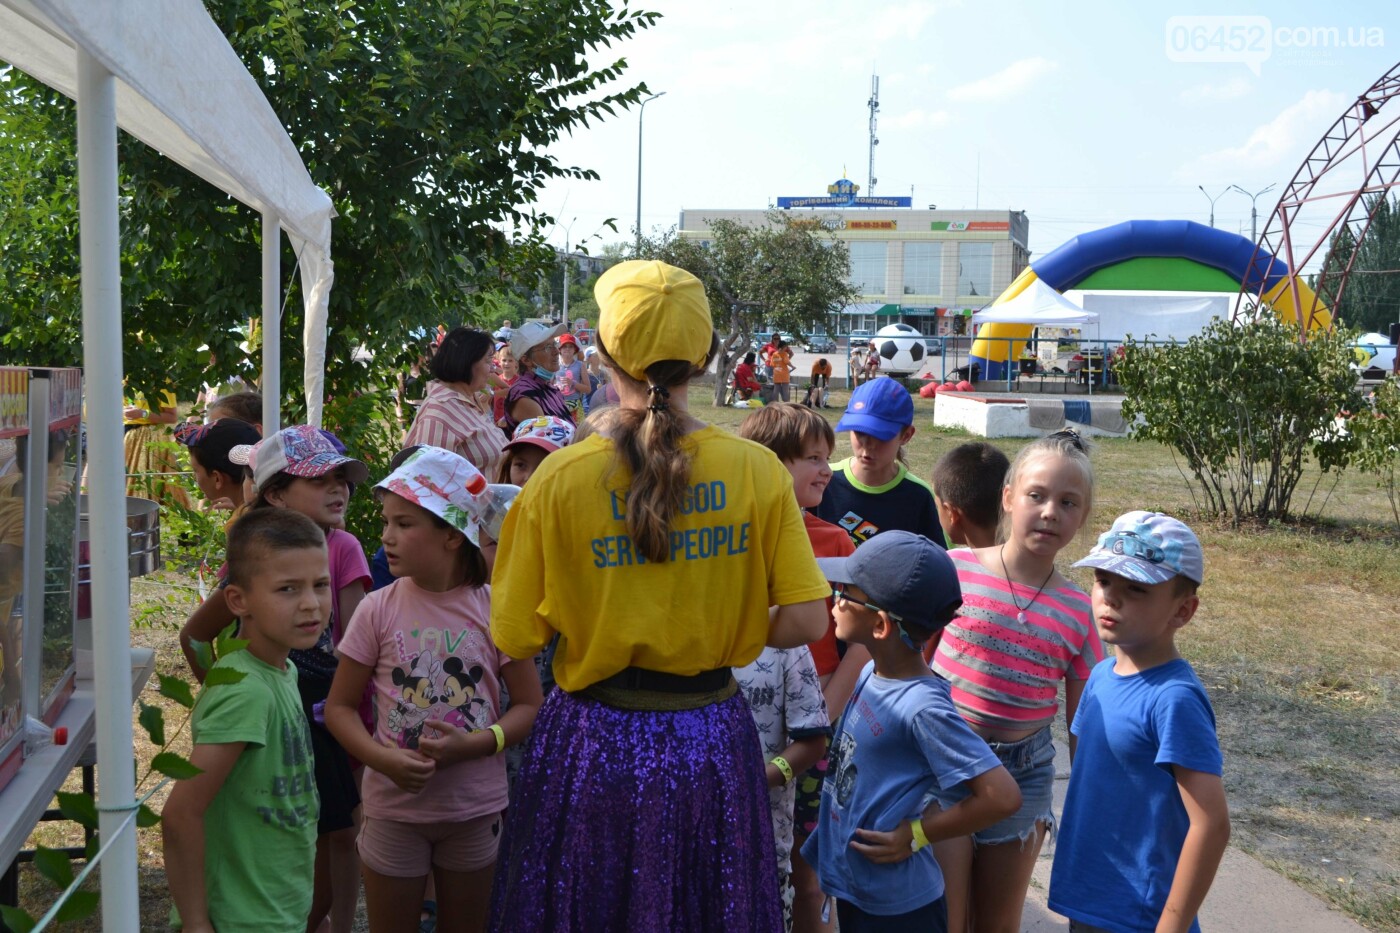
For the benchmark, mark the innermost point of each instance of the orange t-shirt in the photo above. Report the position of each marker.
(828, 540)
(781, 361)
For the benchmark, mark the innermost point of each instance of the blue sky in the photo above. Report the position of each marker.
(1080, 118)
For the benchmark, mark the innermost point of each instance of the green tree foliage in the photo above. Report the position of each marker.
(1371, 299)
(783, 276)
(39, 301)
(1377, 430)
(428, 123)
(1246, 405)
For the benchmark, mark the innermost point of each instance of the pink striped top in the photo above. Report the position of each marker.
(1005, 674)
(448, 420)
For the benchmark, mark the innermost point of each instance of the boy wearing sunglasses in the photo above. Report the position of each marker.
(899, 738)
(1146, 822)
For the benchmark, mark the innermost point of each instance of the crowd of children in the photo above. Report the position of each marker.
(740, 707)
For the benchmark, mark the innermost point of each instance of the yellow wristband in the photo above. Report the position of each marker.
(916, 825)
(782, 765)
(500, 737)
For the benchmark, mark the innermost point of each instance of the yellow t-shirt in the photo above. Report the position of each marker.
(566, 564)
(167, 400)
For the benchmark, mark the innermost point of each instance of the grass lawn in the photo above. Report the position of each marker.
(1297, 640)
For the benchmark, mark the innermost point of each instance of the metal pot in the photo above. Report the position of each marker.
(142, 535)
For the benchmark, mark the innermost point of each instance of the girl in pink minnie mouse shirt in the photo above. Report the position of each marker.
(435, 784)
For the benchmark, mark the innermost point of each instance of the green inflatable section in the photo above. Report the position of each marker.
(1159, 274)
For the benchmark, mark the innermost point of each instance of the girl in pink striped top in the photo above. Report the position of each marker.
(1023, 628)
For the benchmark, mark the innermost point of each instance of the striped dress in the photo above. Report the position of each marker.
(1005, 674)
(462, 425)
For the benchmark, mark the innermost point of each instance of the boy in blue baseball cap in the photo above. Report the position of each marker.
(1145, 822)
(873, 491)
(899, 738)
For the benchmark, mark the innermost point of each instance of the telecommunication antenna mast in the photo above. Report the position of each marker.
(874, 109)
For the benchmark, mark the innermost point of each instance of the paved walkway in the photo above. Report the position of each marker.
(1246, 897)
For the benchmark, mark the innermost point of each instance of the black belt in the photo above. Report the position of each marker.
(639, 678)
(635, 688)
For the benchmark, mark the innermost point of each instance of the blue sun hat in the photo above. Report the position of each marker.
(881, 408)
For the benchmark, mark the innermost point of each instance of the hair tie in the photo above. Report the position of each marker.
(660, 395)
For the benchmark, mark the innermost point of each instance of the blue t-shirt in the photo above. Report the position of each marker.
(897, 741)
(1124, 823)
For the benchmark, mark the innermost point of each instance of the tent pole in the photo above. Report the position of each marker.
(99, 245)
(272, 324)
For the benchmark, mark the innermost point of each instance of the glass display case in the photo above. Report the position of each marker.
(55, 400)
(14, 439)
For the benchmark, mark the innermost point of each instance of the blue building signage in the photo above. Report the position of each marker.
(843, 193)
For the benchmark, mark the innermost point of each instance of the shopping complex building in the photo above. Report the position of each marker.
(927, 267)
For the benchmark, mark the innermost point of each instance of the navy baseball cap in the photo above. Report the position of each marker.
(1148, 547)
(881, 408)
(905, 574)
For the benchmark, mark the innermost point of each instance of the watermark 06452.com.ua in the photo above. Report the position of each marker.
(1252, 40)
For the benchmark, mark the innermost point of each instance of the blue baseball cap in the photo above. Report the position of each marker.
(881, 408)
(905, 574)
(1148, 547)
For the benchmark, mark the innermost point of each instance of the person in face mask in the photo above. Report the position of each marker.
(534, 394)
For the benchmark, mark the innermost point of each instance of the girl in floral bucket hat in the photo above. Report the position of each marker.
(532, 441)
(435, 782)
(652, 549)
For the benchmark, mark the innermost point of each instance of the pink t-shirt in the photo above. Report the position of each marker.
(348, 565)
(433, 659)
(1005, 673)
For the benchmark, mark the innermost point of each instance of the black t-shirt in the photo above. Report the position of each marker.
(905, 503)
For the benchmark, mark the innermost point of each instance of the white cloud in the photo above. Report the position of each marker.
(904, 22)
(1281, 142)
(916, 119)
(1011, 80)
(1230, 90)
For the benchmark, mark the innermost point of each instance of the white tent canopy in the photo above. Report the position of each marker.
(1037, 304)
(162, 71)
(182, 90)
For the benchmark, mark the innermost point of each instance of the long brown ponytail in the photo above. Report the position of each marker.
(648, 444)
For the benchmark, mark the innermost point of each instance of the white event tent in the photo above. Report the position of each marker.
(1037, 304)
(162, 71)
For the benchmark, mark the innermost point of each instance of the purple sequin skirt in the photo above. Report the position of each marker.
(637, 822)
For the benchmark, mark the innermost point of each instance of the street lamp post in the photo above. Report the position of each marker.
(641, 113)
(568, 269)
(1212, 201)
(1253, 209)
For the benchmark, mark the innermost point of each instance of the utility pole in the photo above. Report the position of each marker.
(641, 112)
(874, 104)
(1212, 201)
(1253, 209)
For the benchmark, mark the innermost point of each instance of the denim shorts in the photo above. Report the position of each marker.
(1031, 762)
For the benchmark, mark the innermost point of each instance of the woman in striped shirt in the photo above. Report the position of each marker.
(1023, 628)
(456, 415)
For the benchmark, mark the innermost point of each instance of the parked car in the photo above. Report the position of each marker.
(820, 343)
(933, 346)
(860, 336)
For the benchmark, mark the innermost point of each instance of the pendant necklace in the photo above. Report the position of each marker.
(1011, 587)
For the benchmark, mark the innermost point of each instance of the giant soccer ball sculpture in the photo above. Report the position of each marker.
(901, 348)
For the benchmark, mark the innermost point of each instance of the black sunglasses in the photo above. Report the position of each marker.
(841, 595)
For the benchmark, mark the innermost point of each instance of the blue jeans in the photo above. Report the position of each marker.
(1031, 762)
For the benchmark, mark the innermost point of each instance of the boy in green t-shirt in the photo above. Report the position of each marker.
(240, 837)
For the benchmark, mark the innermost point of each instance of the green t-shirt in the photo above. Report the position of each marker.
(260, 830)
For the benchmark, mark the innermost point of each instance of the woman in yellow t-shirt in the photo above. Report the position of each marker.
(654, 549)
(151, 461)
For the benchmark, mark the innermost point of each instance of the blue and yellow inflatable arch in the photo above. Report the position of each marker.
(1160, 255)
